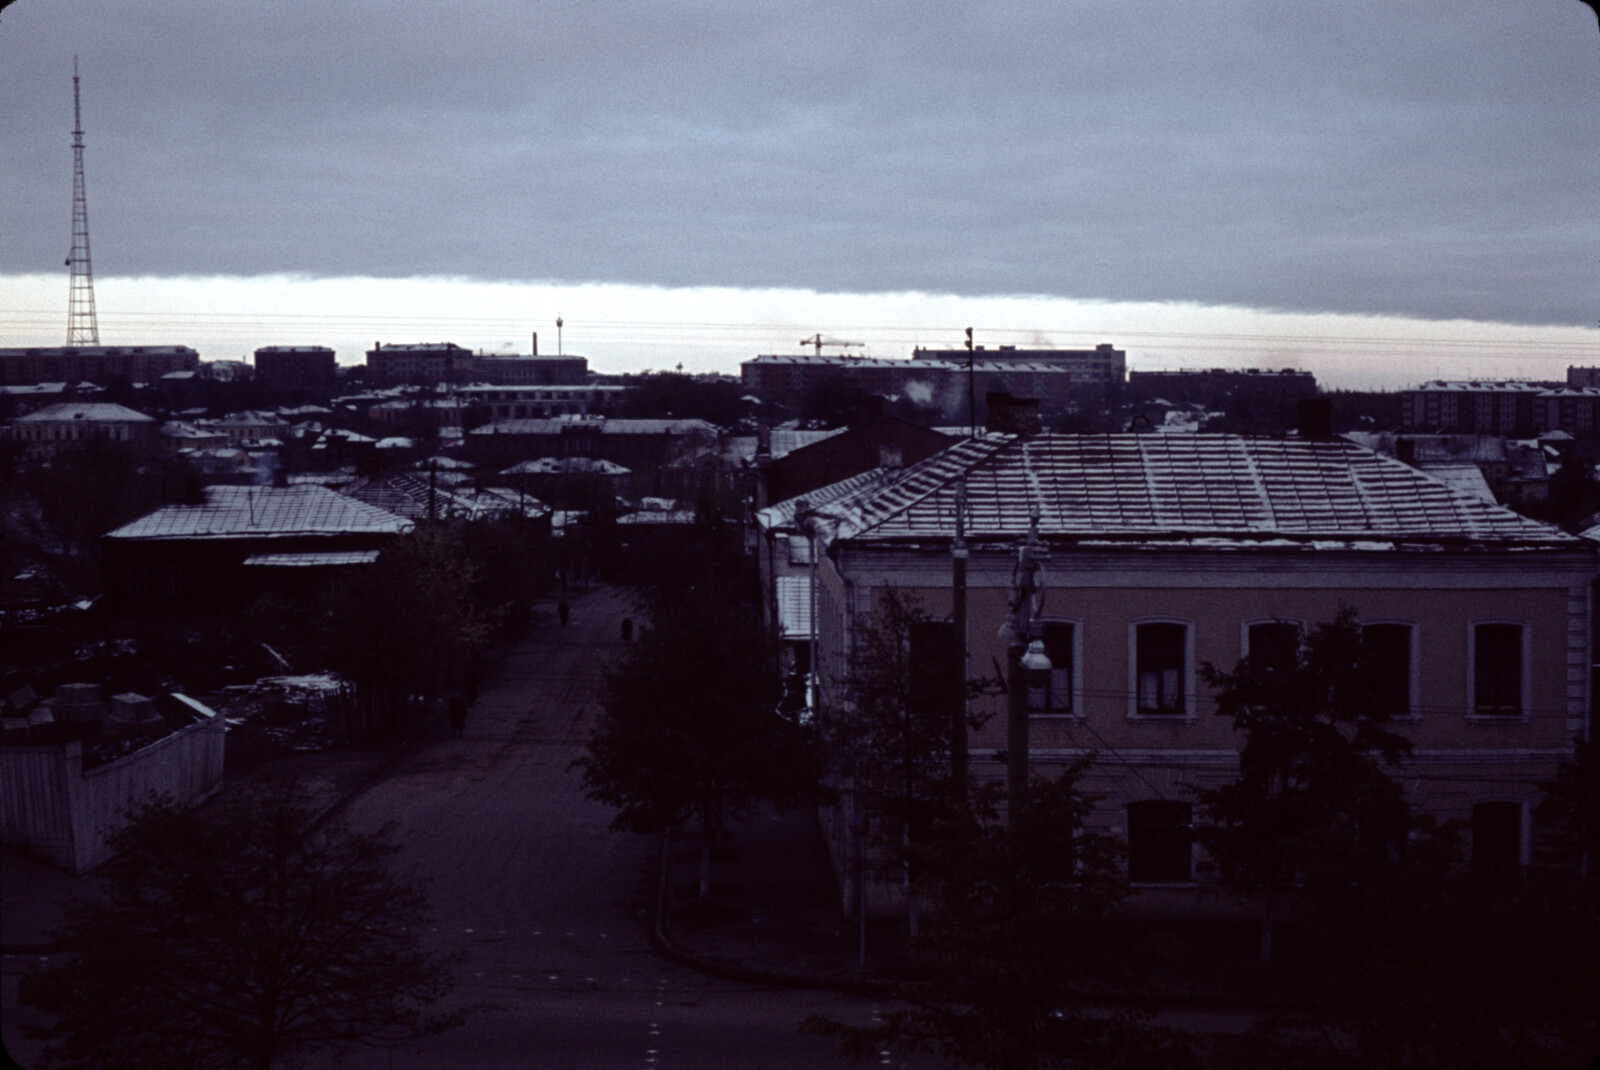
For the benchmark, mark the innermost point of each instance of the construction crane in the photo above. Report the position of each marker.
(818, 342)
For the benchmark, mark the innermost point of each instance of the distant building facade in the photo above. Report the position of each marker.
(72, 424)
(1216, 386)
(296, 365)
(95, 364)
(1104, 364)
(1509, 408)
(445, 362)
(535, 370)
(927, 384)
(519, 402)
(1583, 377)
(639, 445)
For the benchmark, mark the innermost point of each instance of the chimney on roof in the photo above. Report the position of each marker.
(536, 343)
(866, 409)
(1315, 417)
(1009, 415)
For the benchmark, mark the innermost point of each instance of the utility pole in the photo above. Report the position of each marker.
(958, 613)
(83, 328)
(972, 391)
(1027, 598)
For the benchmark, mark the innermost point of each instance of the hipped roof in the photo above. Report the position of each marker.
(1216, 488)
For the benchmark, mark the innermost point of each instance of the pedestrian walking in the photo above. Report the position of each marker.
(469, 685)
(627, 629)
(563, 611)
(458, 716)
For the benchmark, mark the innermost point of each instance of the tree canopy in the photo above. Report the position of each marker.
(1410, 954)
(240, 934)
(690, 727)
(1019, 946)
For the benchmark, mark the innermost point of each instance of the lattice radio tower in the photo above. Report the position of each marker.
(83, 329)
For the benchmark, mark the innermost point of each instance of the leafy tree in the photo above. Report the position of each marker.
(891, 740)
(409, 622)
(690, 728)
(1411, 957)
(514, 565)
(1310, 770)
(241, 935)
(1020, 945)
(1571, 809)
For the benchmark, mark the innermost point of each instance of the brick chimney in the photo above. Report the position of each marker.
(1009, 415)
(1315, 417)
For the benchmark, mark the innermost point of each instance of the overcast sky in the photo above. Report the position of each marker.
(1410, 161)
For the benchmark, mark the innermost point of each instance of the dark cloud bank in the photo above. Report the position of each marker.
(1411, 159)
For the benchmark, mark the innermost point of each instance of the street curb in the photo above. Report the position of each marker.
(664, 945)
(372, 775)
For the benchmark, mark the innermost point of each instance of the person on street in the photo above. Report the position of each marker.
(627, 629)
(563, 611)
(458, 716)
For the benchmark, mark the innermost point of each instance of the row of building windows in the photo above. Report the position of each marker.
(1161, 660)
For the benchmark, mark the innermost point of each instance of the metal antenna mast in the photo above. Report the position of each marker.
(82, 326)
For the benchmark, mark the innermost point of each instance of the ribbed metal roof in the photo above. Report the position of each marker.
(254, 512)
(1209, 486)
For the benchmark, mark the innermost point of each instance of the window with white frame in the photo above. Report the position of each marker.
(1160, 657)
(799, 550)
(171, 581)
(1159, 840)
(1386, 668)
(138, 581)
(1273, 646)
(1497, 669)
(1052, 692)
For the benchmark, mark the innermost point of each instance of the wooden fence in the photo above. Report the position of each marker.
(54, 808)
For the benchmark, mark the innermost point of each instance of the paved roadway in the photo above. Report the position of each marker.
(552, 908)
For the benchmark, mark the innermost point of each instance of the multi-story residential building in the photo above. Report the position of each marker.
(445, 362)
(1582, 377)
(95, 364)
(423, 363)
(1482, 407)
(1570, 409)
(1166, 553)
(534, 370)
(296, 365)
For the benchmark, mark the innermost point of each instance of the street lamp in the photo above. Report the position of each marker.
(1036, 666)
